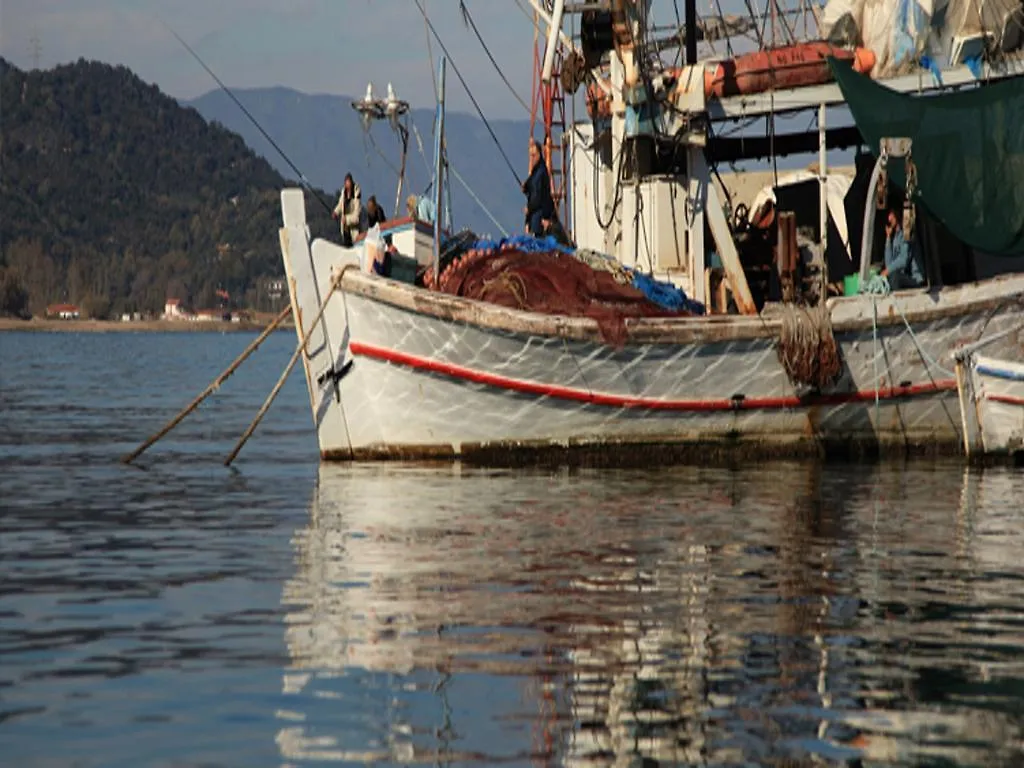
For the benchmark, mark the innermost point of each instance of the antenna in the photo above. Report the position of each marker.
(37, 48)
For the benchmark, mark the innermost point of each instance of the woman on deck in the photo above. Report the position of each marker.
(537, 188)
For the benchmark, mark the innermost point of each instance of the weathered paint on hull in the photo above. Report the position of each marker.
(436, 377)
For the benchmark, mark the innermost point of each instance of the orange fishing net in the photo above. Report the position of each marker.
(551, 283)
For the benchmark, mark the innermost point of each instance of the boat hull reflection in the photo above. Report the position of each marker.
(690, 616)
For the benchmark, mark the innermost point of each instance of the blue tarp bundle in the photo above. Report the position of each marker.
(524, 243)
(665, 294)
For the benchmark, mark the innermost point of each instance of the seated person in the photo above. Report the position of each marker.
(420, 207)
(903, 267)
(382, 264)
(554, 228)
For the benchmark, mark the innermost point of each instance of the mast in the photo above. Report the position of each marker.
(690, 20)
(438, 167)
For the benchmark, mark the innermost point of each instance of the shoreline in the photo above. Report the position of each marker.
(39, 324)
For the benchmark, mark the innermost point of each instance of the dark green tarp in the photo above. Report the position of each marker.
(968, 148)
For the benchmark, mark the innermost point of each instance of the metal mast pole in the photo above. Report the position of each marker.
(691, 31)
(438, 167)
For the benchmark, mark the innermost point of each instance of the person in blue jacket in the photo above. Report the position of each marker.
(540, 208)
(903, 267)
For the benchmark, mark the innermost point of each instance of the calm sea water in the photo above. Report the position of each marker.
(286, 613)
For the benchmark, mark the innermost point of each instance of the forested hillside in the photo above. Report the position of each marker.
(115, 197)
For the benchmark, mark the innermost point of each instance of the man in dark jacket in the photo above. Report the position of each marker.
(540, 207)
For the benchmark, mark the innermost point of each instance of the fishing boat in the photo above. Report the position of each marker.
(991, 394)
(777, 362)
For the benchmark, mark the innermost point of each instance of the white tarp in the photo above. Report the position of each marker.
(900, 32)
(837, 185)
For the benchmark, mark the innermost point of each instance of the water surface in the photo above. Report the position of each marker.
(286, 613)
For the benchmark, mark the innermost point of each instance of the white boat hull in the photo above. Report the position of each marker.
(992, 403)
(399, 372)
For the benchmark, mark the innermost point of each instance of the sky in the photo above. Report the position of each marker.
(314, 46)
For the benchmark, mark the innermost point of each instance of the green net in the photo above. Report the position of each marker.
(968, 149)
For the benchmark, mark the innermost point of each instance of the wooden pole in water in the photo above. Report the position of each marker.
(265, 407)
(214, 385)
(288, 369)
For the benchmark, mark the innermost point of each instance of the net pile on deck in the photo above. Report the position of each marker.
(539, 275)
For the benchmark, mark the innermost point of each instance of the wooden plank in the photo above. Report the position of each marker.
(727, 251)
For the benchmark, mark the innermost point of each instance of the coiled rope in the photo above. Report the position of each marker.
(807, 347)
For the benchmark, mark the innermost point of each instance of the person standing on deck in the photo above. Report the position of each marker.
(374, 212)
(537, 188)
(902, 259)
(349, 211)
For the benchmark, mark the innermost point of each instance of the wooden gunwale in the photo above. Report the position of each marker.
(682, 330)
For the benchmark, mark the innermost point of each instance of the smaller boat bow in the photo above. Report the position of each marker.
(991, 392)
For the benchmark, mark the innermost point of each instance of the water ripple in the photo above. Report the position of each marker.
(181, 613)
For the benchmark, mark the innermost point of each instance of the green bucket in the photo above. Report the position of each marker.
(851, 284)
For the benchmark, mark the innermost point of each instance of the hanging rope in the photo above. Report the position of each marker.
(302, 177)
(373, 143)
(430, 55)
(874, 351)
(807, 346)
(504, 232)
(469, 93)
(469, 20)
(419, 144)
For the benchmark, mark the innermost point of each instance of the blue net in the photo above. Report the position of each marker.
(665, 294)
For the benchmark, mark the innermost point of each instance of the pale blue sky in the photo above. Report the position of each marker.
(316, 46)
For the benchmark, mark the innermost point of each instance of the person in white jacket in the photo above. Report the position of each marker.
(350, 212)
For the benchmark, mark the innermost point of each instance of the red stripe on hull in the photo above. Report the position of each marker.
(622, 401)
(1007, 399)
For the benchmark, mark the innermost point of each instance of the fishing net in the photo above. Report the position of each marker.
(807, 347)
(551, 282)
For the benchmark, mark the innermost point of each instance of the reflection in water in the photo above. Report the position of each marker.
(785, 615)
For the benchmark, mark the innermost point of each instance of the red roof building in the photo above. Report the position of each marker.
(63, 311)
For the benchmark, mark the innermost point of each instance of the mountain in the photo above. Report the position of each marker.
(324, 137)
(115, 196)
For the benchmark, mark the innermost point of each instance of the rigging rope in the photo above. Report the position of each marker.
(302, 177)
(368, 135)
(469, 93)
(469, 189)
(469, 20)
(430, 55)
(423, 154)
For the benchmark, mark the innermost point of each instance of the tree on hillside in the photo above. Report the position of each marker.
(96, 307)
(42, 279)
(13, 296)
